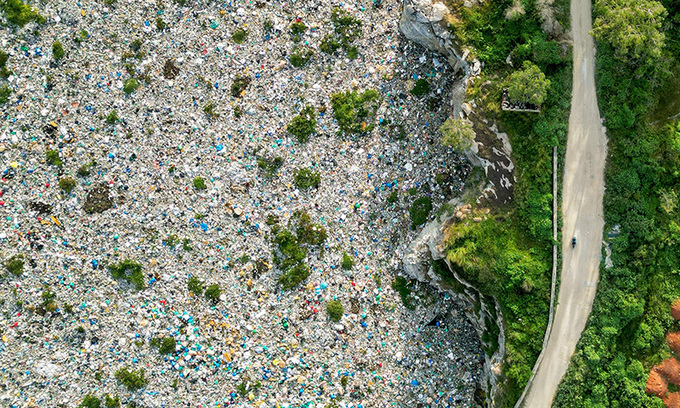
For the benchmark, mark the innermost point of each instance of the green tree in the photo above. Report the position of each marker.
(57, 50)
(528, 85)
(335, 310)
(632, 27)
(457, 133)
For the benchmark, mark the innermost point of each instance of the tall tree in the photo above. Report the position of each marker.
(528, 85)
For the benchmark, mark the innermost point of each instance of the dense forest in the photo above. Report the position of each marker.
(638, 46)
(509, 256)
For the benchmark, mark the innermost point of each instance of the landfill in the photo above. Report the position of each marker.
(68, 325)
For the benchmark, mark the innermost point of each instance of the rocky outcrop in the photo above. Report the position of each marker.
(483, 311)
(423, 21)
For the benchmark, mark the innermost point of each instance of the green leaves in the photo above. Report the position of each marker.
(528, 85)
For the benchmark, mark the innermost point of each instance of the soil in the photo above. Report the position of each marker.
(656, 384)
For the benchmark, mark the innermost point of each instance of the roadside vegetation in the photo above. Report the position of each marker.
(637, 48)
(508, 255)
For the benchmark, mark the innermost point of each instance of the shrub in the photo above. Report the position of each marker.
(420, 210)
(195, 286)
(5, 92)
(352, 52)
(90, 401)
(270, 166)
(306, 178)
(131, 85)
(112, 402)
(294, 276)
(421, 88)
(213, 292)
(347, 261)
(303, 125)
(112, 117)
(354, 111)
(57, 50)
(300, 57)
(15, 264)
(67, 184)
(129, 271)
(132, 380)
(401, 286)
(19, 13)
(52, 157)
(160, 24)
(334, 310)
(4, 72)
(167, 346)
(297, 29)
(239, 36)
(136, 45)
(199, 183)
(240, 84)
(346, 26)
(308, 232)
(393, 197)
(329, 45)
(209, 109)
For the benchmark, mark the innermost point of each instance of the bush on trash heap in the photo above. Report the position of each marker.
(132, 380)
(303, 125)
(129, 271)
(15, 265)
(167, 346)
(213, 292)
(355, 111)
(335, 310)
(420, 210)
(19, 13)
(306, 178)
(195, 286)
(90, 401)
(347, 261)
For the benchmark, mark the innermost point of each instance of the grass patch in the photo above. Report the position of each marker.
(130, 271)
(354, 111)
(131, 379)
(306, 178)
(334, 310)
(303, 125)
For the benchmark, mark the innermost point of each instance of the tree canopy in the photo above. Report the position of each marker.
(528, 85)
(457, 133)
(633, 27)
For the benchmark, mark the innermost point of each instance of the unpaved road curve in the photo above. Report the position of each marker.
(582, 194)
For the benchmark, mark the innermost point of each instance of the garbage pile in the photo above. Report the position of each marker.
(147, 172)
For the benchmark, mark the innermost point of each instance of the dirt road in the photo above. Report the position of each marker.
(582, 194)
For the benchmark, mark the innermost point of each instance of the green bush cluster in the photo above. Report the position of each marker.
(4, 71)
(209, 110)
(299, 57)
(355, 111)
(15, 265)
(67, 184)
(213, 292)
(112, 117)
(52, 157)
(5, 92)
(199, 183)
(334, 310)
(347, 261)
(167, 345)
(292, 247)
(420, 210)
(16, 12)
(130, 271)
(303, 125)
(347, 29)
(297, 29)
(130, 85)
(57, 50)
(133, 380)
(239, 36)
(270, 165)
(421, 88)
(90, 401)
(402, 286)
(195, 286)
(306, 178)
